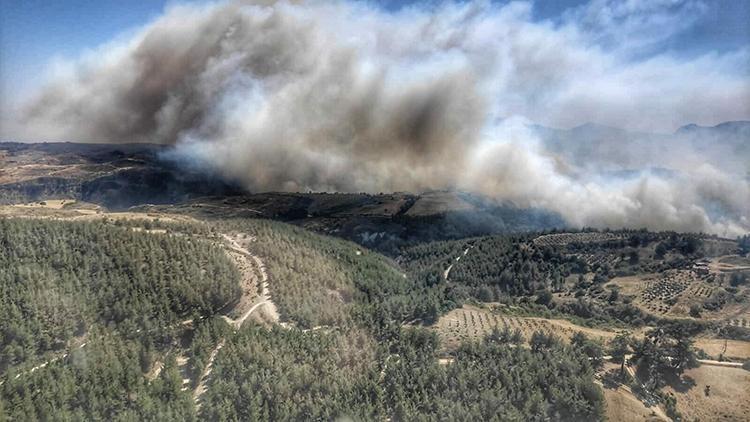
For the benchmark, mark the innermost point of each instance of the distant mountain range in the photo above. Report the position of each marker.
(726, 145)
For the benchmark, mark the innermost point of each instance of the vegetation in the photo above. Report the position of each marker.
(101, 305)
(94, 306)
(619, 347)
(664, 352)
(510, 265)
(58, 279)
(289, 375)
(98, 382)
(319, 280)
(504, 268)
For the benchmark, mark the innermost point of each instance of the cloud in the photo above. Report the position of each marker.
(634, 25)
(346, 96)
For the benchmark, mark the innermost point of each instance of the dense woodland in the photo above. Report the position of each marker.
(91, 305)
(101, 381)
(122, 289)
(58, 279)
(319, 280)
(289, 375)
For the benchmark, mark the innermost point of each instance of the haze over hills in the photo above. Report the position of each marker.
(349, 97)
(145, 177)
(727, 143)
(390, 211)
(693, 179)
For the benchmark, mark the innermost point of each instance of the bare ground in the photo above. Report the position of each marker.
(623, 405)
(728, 398)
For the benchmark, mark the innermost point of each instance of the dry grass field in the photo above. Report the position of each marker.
(729, 264)
(728, 399)
(473, 323)
(623, 406)
(735, 350)
(52, 208)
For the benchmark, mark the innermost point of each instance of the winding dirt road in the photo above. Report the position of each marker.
(262, 300)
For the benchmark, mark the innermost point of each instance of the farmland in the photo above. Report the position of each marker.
(687, 293)
(562, 239)
(471, 323)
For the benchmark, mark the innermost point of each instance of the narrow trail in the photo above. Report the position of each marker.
(237, 323)
(447, 271)
(45, 363)
(202, 383)
(627, 391)
(656, 408)
(709, 362)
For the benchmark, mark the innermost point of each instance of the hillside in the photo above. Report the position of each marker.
(620, 151)
(151, 178)
(347, 326)
(288, 306)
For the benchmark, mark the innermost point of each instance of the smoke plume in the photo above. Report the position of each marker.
(345, 96)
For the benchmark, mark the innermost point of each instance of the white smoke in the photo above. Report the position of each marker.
(345, 96)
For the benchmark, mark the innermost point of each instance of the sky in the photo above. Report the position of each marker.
(34, 34)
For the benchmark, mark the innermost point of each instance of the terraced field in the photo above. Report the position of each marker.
(661, 294)
(561, 239)
(673, 293)
(473, 323)
(601, 259)
(739, 322)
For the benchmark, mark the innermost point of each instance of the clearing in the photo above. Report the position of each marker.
(473, 323)
(727, 399)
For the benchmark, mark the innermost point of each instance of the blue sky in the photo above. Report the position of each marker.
(33, 33)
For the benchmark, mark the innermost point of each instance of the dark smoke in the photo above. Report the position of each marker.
(344, 96)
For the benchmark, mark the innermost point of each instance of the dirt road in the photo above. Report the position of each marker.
(264, 298)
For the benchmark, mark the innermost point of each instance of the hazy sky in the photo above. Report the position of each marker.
(36, 33)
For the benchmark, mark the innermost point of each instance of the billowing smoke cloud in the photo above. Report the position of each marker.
(345, 96)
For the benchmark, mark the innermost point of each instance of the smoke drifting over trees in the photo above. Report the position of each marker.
(345, 96)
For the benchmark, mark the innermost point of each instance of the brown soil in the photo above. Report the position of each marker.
(623, 406)
(731, 349)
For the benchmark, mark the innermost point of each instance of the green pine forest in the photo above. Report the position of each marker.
(91, 308)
